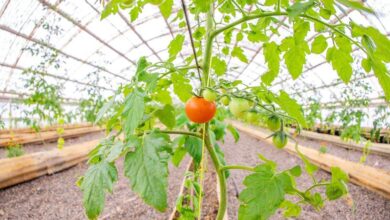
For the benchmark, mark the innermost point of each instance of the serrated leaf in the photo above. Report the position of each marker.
(175, 46)
(383, 76)
(290, 209)
(166, 116)
(295, 58)
(202, 5)
(341, 61)
(166, 8)
(291, 107)
(98, 180)
(299, 8)
(181, 86)
(193, 145)
(134, 13)
(133, 112)
(271, 54)
(104, 109)
(239, 53)
(264, 193)
(234, 132)
(147, 171)
(228, 8)
(164, 97)
(319, 44)
(218, 65)
(337, 187)
(355, 5)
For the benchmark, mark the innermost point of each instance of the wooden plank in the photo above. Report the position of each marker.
(377, 148)
(46, 128)
(374, 179)
(24, 168)
(48, 136)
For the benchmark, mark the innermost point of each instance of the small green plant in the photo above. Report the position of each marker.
(14, 151)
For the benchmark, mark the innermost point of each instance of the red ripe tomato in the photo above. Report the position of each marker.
(199, 110)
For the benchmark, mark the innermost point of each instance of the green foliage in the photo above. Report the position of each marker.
(150, 158)
(157, 92)
(14, 151)
(98, 180)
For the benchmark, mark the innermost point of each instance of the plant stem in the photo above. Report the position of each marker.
(194, 134)
(220, 174)
(317, 185)
(237, 167)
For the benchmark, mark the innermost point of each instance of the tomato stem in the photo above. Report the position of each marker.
(237, 167)
(220, 174)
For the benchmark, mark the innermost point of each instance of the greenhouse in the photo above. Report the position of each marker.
(195, 109)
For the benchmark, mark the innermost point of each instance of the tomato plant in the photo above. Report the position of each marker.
(132, 113)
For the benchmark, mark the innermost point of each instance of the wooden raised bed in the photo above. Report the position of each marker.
(20, 169)
(374, 179)
(381, 149)
(47, 136)
(43, 129)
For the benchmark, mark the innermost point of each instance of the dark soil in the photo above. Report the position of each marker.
(367, 204)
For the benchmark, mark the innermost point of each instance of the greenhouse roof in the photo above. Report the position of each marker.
(110, 48)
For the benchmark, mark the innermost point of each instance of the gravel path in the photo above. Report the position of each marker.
(367, 205)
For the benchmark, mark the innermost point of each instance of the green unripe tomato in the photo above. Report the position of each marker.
(280, 139)
(209, 95)
(251, 117)
(238, 106)
(274, 123)
(225, 100)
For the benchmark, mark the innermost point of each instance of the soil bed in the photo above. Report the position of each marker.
(57, 196)
(367, 204)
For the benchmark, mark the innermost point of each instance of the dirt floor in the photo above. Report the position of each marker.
(57, 197)
(367, 205)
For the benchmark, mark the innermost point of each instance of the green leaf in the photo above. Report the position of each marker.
(134, 13)
(218, 65)
(295, 171)
(299, 8)
(358, 5)
(271, 54)
(98, 180)
(234, 132)
(383, 76)
(295, 56)
(256, 34)
(337, 187)
(319, 45)
(341, 59)
(239, 53)
(202, 5)
(193, 145)
(178, 156)
(164, 97)
(115, 151)
(166, 8)
(181, 86)
(104, 109)
(291, 209)
(167, 116)
(264, 193)
(133, 112)
(175, 46)
(291, 107)
(147, 171)
(228, 8)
